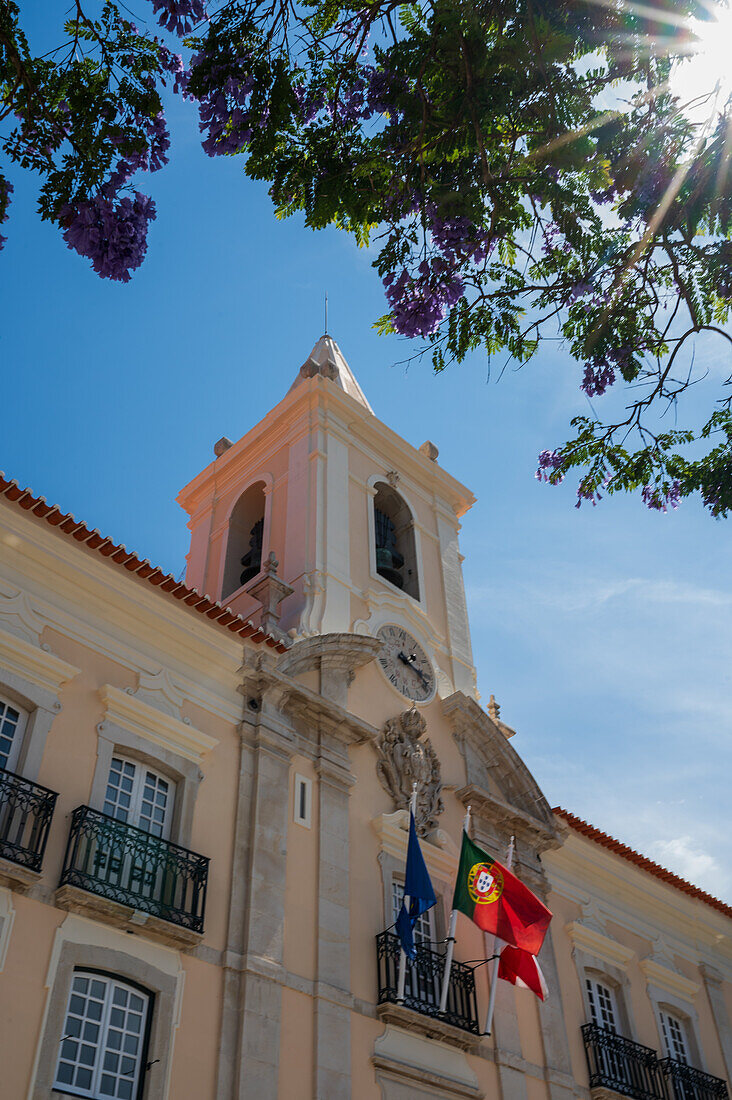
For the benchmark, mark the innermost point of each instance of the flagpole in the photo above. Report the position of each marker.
(496, 946)
(405, 901)
(451, 940)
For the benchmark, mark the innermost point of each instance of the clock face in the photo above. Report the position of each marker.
(405, 664)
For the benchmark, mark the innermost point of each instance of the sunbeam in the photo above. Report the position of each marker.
(703, 79)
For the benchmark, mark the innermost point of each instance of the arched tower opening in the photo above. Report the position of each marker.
(396, 557)
(244, 545)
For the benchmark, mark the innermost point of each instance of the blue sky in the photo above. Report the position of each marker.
(603, 632)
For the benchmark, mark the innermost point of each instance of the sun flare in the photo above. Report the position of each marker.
(703, 79)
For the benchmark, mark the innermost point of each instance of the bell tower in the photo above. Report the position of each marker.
(363, 526)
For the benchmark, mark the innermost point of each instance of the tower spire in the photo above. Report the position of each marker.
(327, 359)
(325, 330)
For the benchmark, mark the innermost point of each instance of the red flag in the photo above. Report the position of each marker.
(520, 968)
(497, 901)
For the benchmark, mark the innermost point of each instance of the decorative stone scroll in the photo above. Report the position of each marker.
(406, 757)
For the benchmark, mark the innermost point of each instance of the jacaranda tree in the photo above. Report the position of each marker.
(526, 168)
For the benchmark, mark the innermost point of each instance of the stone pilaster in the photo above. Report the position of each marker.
(558, 1071)
(332, 1054)
(713, 986)
(250, 1040)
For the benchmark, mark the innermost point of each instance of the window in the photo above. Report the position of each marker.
(303, 800)
(424, 928)
(396, 556)
(603, 1009)
(104, 1035)
(139, 796)
(12, 723)
(674, 1037)
(246, 539)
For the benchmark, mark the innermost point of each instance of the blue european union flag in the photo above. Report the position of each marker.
(418, 888)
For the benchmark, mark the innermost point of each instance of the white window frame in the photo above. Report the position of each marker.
(601, 997)
(141, 771)
(18, 733)
(79, 1023)
(302, 809)
(424, 926)
(676, 1046)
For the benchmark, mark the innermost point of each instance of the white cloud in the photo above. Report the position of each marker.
(572, 593)
(684, 856)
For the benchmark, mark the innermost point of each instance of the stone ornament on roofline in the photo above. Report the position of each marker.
(407, 757)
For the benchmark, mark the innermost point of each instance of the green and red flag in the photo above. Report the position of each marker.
(497, 901)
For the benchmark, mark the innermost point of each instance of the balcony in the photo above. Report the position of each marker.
(621, 1065)
(684, 1082)
(133, 878)
(26, 810)
(459, 1023)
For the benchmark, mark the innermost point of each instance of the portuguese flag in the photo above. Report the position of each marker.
(520, 968)
(497, 901)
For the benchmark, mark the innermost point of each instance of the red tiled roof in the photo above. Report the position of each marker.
(120, 556)
(643, 862)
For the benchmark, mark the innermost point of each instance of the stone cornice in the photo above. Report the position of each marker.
(511, 818)
(431, 1028)
(261, 677)
(639, 901)
(440, 853)
(132, 714)
(124, 620)
(670, 981)
(343, 651)
(466, 714)
(34, 664)
(599, 946)
(314, 710)
(319, 401)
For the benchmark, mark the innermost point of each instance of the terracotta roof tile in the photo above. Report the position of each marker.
(123, 558)
(643, 862)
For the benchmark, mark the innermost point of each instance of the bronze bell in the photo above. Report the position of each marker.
(252, 561)
(388, 559)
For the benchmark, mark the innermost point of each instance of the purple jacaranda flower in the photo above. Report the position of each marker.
(458, 238)
(419, 303)
(597, 377)
(579, 290)
(111, 233)
(6, 190)
(179, 16)
(586, 491)
(223, 110)
(659, 499)
(549, 461)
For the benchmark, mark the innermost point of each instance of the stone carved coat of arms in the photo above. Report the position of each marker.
(407, 757)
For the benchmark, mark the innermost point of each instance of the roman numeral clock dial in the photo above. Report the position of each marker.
(405, 664)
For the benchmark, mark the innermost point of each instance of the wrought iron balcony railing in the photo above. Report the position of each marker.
(687, 1083)
(622, 1065)
(26, 810)
(132, 867)
(423, 984)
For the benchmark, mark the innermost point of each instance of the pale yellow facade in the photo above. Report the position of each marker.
(271, 754)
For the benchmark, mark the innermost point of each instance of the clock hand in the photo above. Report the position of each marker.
(410, 661)
(421, 675)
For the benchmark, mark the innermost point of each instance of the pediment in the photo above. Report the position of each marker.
(498, 785)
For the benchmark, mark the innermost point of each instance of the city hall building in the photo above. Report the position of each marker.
(203, 808)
